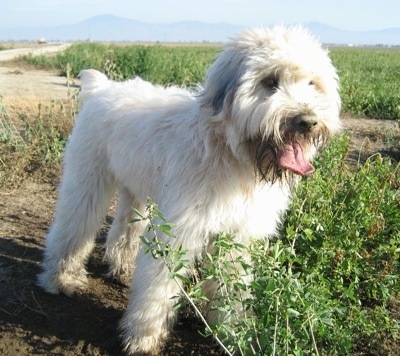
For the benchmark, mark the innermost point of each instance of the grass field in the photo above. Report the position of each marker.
(370, 81)
(330, 285)
(369, 77)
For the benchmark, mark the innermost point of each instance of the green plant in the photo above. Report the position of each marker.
(345, 229)
(9, 134)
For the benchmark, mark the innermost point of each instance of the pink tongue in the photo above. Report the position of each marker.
(292, 158)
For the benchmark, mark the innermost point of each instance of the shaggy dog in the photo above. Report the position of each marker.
(221, 160)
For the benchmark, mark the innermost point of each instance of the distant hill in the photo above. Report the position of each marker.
(328, 34)
(113, 28)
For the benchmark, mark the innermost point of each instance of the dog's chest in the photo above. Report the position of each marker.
(254, 215)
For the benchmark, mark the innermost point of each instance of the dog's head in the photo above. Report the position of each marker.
(275, 93)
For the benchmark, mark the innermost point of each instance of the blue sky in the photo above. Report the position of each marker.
(356, 15)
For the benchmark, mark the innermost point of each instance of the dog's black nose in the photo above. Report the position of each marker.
(306, 122)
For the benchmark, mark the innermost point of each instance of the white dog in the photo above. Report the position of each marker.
(223, 160)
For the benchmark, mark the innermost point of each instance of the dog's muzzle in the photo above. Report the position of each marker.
(291, 156)
(305, 123)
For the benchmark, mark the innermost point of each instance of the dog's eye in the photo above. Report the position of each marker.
(270, 83)
(317, 85)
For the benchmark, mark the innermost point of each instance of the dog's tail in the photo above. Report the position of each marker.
(91, 81)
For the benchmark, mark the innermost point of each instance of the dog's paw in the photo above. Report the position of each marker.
(120, 276)
(65, 283)
(148, 345)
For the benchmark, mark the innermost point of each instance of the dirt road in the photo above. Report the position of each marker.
(35, 50)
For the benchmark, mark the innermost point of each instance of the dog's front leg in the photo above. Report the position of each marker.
(150, 313)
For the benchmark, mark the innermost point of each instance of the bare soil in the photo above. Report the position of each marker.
(35, 323)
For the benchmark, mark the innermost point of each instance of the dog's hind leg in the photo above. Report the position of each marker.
(84, 198)
(123, 237)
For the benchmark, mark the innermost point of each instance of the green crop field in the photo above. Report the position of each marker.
(370, 81)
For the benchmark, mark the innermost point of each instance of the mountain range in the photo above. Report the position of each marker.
(118, 29)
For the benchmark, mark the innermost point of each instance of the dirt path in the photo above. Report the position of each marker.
(34, 49)
(33, 84)
(35, 323)
(371, 136)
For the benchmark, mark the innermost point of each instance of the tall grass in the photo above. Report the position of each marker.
(33, 137)
(158, 64)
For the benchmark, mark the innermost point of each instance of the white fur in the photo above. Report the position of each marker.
(194, 154)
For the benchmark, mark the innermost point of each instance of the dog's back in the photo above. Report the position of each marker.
(135, 91)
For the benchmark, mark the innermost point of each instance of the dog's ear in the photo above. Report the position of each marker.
(222, 79)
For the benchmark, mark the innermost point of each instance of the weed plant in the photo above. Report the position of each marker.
(33, 138)
(337, 261)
